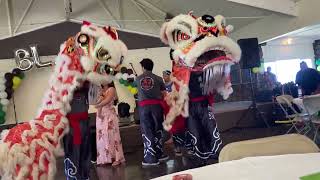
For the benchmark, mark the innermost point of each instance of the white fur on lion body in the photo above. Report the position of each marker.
(51, 118)
(187, 50)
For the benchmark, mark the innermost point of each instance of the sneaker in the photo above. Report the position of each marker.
(163, 158)
(177, 151)
(149, 164)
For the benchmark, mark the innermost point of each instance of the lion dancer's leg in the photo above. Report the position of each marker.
(151, 118)
(202, 136)
(77, 141)
(77, 154)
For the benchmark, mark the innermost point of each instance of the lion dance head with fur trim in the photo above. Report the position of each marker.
(198, 45)
(29, 150)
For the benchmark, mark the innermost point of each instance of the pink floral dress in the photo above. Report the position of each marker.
(109, 146)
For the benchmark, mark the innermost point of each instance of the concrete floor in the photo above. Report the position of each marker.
(132, 170)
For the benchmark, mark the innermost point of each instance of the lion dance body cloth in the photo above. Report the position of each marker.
(202, 55)
(29, 150)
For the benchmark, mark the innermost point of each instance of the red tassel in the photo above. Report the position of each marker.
(87, 23)
(110, 32)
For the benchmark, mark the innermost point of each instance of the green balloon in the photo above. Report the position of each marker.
(2, 120)
(317, 62)
(2, 113)
(125, 83)
(121, 81)
(21, 75)
(318, 68)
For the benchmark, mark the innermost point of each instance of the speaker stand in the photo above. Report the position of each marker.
(258, 115)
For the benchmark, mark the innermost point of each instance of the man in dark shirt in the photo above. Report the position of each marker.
(150, 94)
(307, 79)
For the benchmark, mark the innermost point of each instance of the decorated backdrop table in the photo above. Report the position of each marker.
(284, 167)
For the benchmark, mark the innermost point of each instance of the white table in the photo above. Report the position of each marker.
(284, 167)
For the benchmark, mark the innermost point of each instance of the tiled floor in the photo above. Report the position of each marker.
(132, 170)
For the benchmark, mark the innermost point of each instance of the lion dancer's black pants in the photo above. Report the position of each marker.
(77, 147)
(151, 119)
(202, 136)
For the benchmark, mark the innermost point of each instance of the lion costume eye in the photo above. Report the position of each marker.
(180, 36)
(103, 54)
(83, 40)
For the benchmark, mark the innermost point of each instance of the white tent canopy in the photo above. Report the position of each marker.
(144, 16)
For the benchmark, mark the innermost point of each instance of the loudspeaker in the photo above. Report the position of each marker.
(250, 56)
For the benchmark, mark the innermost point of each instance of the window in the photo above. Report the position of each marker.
(286, 70)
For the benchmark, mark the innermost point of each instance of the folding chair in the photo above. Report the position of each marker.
(312, 107)
(296, 119)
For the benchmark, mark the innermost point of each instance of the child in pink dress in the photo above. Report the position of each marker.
(109, 146)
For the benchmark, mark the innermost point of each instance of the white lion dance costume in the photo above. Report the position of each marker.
(202, 54)
(29, 150)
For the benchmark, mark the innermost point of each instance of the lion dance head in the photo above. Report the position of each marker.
(199, 45)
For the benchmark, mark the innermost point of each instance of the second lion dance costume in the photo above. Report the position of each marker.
(202, 55)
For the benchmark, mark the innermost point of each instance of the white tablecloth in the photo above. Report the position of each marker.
(284, 167)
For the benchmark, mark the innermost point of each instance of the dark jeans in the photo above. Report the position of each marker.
(151, 118)
(202, 135)
(77, 157)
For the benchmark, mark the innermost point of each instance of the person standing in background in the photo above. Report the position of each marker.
(271, 79)
(109, 145)
(307, 79)
(151, 90)
(167, 80)
(77, 141)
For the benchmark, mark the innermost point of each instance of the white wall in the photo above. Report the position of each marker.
(161, 59)
(298, 50)
(28, 96)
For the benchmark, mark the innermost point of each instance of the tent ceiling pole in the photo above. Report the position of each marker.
(145, 13)
(68, 8)
(153, 7)
(9, 10)
(23, 16)
(108, 12)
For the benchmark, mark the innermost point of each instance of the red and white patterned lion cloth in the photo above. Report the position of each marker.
(29, 150)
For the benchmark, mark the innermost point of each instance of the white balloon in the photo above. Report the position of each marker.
(118, 75)
(2, 87)
(2, 74)
(4, 102)
(3, 95)
(2, 80)
(132, 76)
(125, 76)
